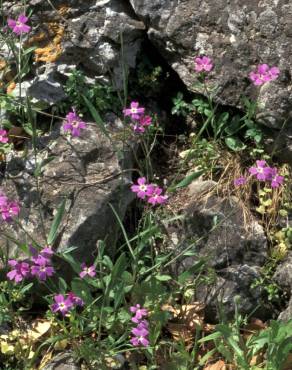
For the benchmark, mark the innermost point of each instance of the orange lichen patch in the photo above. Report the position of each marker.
(11, 87)
(48, 54)
(63, 10)
(3, 64)
(49, 43)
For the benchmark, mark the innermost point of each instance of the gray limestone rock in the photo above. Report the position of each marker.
(62, 361)
(237, 35)
(89, 172)
(283, 277)
(233, 248)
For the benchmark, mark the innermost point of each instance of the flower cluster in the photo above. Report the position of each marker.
(152, 192)
(141, 331)
(136, 113)
(3, 137)
(263, 74)
(262, 172)
(19, 25)
(203, 64)
(65, 304)
(8, 208)
(39, 265)
(266, 173)
(73, 124)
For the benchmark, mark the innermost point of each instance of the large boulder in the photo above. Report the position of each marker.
(73, 33)
(90, 172)
(238, 35)
(233, 244)
(283, 277)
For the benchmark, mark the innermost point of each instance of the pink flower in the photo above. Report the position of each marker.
(73, 124)
(42, 271)
(140, 337)
(77, 301)
(62, 304)
(138, 129)
(19, 26)
(203, 64)
(142, 188)
(145, 121)
(261, 170)
(139, 313)
(3, 136)
(19, 272)
(240, 181)
(263, 74)
(9, 210)
(134, 111)
(155, 197)
(90, 271)
(276, 180)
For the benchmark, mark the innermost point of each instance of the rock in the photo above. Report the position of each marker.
(63, 361)
(283, 277)
(233, 247)
(218, 225)
(89, 173)
(233, 284)
(237, 35)
(87, 36)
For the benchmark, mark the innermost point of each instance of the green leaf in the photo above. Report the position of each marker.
(234, 144)
(96, 116)
(163, 277)
(62, 285)
(56, 223)
(188, 179)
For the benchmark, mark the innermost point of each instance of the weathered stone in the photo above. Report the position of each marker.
(233, 248)
(82, 35)
(218, 225)
(237, 35)
(283, 277)
(89, 173)
(62, 361)
(232, 287)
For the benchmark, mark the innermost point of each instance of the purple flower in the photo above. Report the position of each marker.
(261, 171)
(42, 270)
(145, 121)
(90, 271)
(143, 324)
(276, 180)
(134, 111)
(62, 304)
(203, 64)
(240, 181)
(139, 313)
(155, 196)
(140, 337)
(77, 301)
(73, 124)
(142, 188)
(263, 74)
(47, 252)
(138, 129)
(19, 272)
(19, 26)
(3, 136)
(9, 210)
